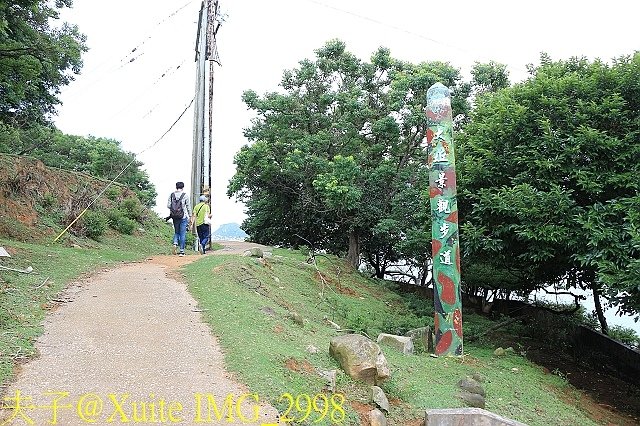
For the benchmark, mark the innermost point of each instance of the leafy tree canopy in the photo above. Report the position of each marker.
(336, 157)
(36, 59)
(550, 174)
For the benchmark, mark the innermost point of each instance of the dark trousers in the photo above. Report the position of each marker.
(204, 233)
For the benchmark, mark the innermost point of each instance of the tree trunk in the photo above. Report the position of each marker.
(353, 255)
(599, 311)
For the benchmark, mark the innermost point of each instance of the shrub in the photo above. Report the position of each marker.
(113, 193)
(121, 223)
(625, 335)
(132, 209)
(95, 224)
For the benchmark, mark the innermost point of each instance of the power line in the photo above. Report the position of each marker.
(123, 170)
(375, 21)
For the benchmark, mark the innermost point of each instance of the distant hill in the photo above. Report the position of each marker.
(229, 231)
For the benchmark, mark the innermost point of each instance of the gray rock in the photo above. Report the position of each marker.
(267, 310)
(499, 352)
(330, 376)
(379, 398)
(402, 343)
(472, 399)
(376, 418)
(478, 377)
(360, 358)
(297, 318)
(422, 335)
(312, 349)
(256, 252)
(470, 385)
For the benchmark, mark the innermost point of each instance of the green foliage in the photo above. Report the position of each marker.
(549, 179)
(36, 59)
(338, 156)
(118, 221)
(132, 209)
(625, 335)
(99, 157)
(95, 224)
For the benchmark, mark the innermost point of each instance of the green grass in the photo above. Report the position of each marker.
(25, 298)
(268, 352)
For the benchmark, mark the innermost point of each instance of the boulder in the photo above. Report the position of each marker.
(499, 352)
(376, 418)
(379, 398)
(470, 385)
(472, 399)
(360, 358)
(402, 343)
(422, 335)
(256, 252)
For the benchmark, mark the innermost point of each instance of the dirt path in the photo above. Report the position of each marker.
(129, 346)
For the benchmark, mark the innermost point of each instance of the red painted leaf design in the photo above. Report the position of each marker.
(448, 294)
(444, 343)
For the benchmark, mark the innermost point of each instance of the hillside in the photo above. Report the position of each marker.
(272, 318)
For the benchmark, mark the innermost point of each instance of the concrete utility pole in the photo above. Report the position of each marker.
(445, 242)
(206, 51)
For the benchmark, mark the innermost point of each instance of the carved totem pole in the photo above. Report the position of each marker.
(444, 216)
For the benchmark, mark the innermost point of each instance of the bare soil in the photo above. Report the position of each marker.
(129, 345)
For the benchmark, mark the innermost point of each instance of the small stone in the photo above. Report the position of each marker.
(509, 350)
(330, 376)
(267, 310)
(515, 370)
(276, 279)
(376, 418)
(312, 349)
(297, 318)
(499, 352)
(379, 398)
(478, 377)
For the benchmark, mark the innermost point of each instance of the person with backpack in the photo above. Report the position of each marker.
(202, 217)
(179, 207)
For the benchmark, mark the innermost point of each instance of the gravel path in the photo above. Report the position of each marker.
(129, 346)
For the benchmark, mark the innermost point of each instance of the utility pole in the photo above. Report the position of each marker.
(206, 51)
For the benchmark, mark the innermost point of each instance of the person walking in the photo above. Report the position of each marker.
(179, 207)
(202, 218)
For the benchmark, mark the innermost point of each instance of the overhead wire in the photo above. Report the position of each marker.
(123, 170)
(397, 28)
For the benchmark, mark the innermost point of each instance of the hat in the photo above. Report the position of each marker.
(203, 198)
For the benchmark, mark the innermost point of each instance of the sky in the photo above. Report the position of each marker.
(135, 104)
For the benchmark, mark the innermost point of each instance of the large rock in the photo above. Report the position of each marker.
(402, 343)
(424, 336)
(472, 399)
(472, 386)
(376, 418)
(360, 358)
(379, 398)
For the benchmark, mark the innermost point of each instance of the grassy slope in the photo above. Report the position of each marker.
(25, 299)
(269, 353)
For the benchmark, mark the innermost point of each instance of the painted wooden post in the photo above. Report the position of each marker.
(444, 216)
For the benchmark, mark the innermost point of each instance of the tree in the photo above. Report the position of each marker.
(550, 179)
(336, 157)
(36, 59)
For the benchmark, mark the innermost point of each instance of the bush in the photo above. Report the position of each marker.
(113, 193)
(625, 335)
(121, 223)
(95, 224)
(132, 209)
